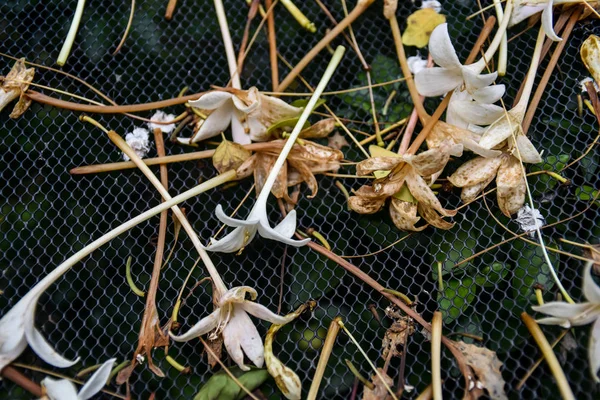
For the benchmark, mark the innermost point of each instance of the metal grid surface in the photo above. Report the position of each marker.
(47, 214)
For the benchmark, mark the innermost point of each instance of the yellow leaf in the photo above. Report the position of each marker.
(229, 155)
(420, 25)
(377, 151)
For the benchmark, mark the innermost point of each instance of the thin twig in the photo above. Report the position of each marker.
(170, 9)
(14, 375)
(272, 46)
(332, 333)
(126, 33)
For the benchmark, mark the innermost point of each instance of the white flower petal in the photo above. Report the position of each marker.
(217, 122)
(204, 326)
(472, 145)
(252, 345)
(43, 349)
(251, 100)
(561, 309)
(237, 295)
(416, 64)
(238, 132)
(262, 312)
(12, 333)
(565, 323)
(474, 80)
(239, 325)
(269, 233)
(59, 389)
(476, 113)
(441, 48)
(527, 151)
(287, 227)
(499, 131)
(522, 12)
(211, 100)
(433, 82)
(233, 222)
(489, 94)
(234, 241)
(590, 289)
(547, 24)
(96, 381)
(594, 349)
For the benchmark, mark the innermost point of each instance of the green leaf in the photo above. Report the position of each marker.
(449, 248)
(531, 268)
(301, 103)
(221, 387)
(291, 122)
(456, 297)
(490, 276)
(586, 193)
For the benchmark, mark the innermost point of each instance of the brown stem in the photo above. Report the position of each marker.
(44, 99)
(361, 6)
(334, 22)
(251, 14)
(170, 9)
(560, 23)
(14, 375)
(272, 45)
(539, 92)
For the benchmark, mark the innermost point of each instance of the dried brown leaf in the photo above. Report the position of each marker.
(396, 336)
(379, 392)
(318, 130)
(511, 186)
(337, 141)
(404, 215)
(364, 205)
(486, 366)
(370, 165)
(229, 155)
(306, 176)
(475, 171)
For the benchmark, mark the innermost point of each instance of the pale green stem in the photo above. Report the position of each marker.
(436, 350)
(229, 51)
(521, 106)
(87, 250)
(212, 270)
(66, 49)
(489, 53)
(503, 55)
(335, 60)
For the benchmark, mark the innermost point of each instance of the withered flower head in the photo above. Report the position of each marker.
(409, 189)
(14, 85)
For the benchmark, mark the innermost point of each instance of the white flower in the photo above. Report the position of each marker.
(529, 218)
(567, 315)
(526, 8)
(468, 110)
(450, 74)
(436, 5)
(161, 116)
(139, 141)
(249, 112)
(231, 319)
(65, 390)
(416, 64)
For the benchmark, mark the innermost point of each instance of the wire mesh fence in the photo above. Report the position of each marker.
(48, 214)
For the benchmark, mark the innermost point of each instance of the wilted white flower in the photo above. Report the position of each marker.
(528, 219)
(249, 112)
(469, 110)
(416, 64)
(161, 116)
(139, 141)
(65, 390)
(231, 320)
(436, 5)
(567, 315)
(526, 8)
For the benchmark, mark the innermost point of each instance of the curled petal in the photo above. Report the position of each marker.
(510, 186)
(547, 23)
(443, 131)
(274, 234)
(565, 323)
(237, 295)
(433, 82)
(60, 389)
(315, 152)
(246, 101)
(211, 100)
(577, 314)
(204, 326)
(500, 130)
(489, 94)
(215, 123)
(527, 151)
(287, 227)
(318, 130)
(279, 189)
(12, 333)
(372, 164)
(475, 171)
(305, 175)
(96, 381)
(472, 145)
(441, 48)
(404, 215)
(262, 312)
(433, 218)
(590, 289)
(247, 167)
(234, 241)
(434, 160)
(233, 222)
(594, 349)
(522, 12)
(364, 205)
(470, 193)
(474, 80)
(424, 195)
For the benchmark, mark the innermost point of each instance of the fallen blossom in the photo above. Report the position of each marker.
(529, 219)
(139, 141)
(161, 116)
(14, 85)
(65, 390)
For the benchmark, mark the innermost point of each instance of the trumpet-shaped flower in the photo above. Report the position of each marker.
(65, 390)
(568, 315)
(526, 8)
(249, 112)
(231, 320)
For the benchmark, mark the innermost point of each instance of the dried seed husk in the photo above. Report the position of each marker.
(404, 215)
(475, 171)
(511, 186)
(319, 130)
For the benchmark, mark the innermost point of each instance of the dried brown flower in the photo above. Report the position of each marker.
(14, 85)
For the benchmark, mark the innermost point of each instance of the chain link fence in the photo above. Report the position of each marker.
(47, 214)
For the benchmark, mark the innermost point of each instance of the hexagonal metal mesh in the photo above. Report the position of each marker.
(47, 214)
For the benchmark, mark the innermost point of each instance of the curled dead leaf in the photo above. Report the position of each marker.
(379, 392)
(590, 55)
(364, 205)
(318, 130)
(486, 367)
(511, 186)
(229, 155)
(396, 336)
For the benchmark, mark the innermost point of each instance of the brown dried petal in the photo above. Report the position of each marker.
(433, 218)
(319, 129)
(511, 186)
(262, 168)
(19, 77)
(445, 132)
(424, 195)
(21, 106)
(318, 168)
(433, 160)
(337, 141)
(379, 392)
(280, 186)
(364, 205)
(590, 55)
(311, 151)
(368, 166)
(486, 366)
(229, 155)
(306, 175)
(246, 169)
(470, 193)
(404, 215)
(475, 171)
